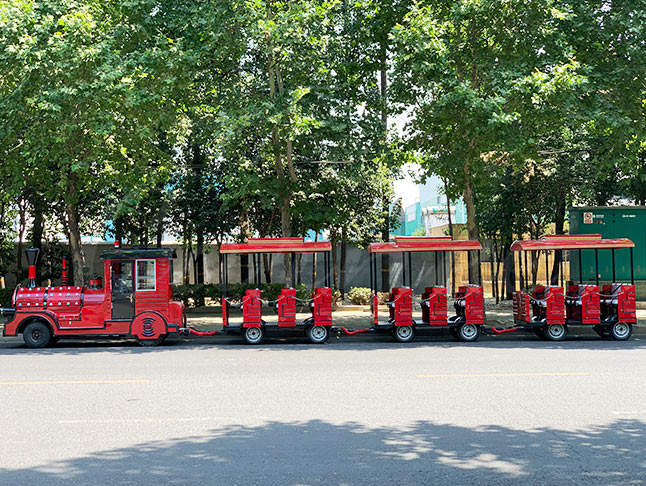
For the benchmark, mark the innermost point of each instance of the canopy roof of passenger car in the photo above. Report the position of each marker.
(137, 253)
(572, 242)
(276, 245)
(403, 244)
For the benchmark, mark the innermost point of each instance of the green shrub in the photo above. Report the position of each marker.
(5, 297)
(382, 297)
(359, 295)
(336, 296)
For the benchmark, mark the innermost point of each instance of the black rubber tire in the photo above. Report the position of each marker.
(148, 343)
(403, 334)
(318, 334)
(602, 331)
(253, 335)
(37, 334)
(621, 331)
(468, 333)
(555, 332)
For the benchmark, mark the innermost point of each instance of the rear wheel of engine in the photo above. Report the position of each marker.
(253, 335)
(152, 342)
(37, 335)
(318, 334)
(621, 331)
(404, 334)
(468, 332)
(602, 331)
(555, 332)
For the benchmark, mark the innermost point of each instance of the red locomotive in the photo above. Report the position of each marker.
(137, 301)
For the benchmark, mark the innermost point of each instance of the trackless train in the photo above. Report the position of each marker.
(134, 298)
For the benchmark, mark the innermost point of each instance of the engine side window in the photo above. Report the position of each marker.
(146, 275)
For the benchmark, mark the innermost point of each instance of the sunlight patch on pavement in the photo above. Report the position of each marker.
(71, 382)
(485, 375)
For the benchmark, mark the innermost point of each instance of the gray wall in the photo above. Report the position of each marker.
(357, 270)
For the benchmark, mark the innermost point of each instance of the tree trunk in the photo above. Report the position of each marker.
(344, 250)
(245, 233)
(299, 268)
(22, 224)
(267, 261)
(286, 232)
(118, 230)
(385, 257)
(37, 236)
(199, 262)
(335, 273)
(472, 226)
(76, 249)
(559, 226)
(521, 275)
(159, 232)
(276, 87)
(494, 284)
(188, 250)
(534, 258)
(2, 263)
(383, 89)
(448, 211)
(316, 238)
(498, 291)
(73, 227)
(510, 276)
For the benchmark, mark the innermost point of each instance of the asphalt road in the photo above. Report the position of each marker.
(358, 411)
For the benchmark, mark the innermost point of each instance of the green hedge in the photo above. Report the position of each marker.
(361, 296)
(5, 297)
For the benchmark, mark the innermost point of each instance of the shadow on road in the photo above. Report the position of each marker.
(321, 453)
(298, 342)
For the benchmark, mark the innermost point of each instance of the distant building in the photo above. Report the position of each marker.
(430, 211)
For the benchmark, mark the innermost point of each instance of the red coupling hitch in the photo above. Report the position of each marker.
(348, 332)
(503, 331)
(189, 330)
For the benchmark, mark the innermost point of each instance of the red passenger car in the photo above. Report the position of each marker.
(465, 324)
(548, 310)
(254, 324)
(135, 301)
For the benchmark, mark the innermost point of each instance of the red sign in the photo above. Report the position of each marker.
(587, 218)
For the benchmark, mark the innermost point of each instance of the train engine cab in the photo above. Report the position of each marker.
(133, 299)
